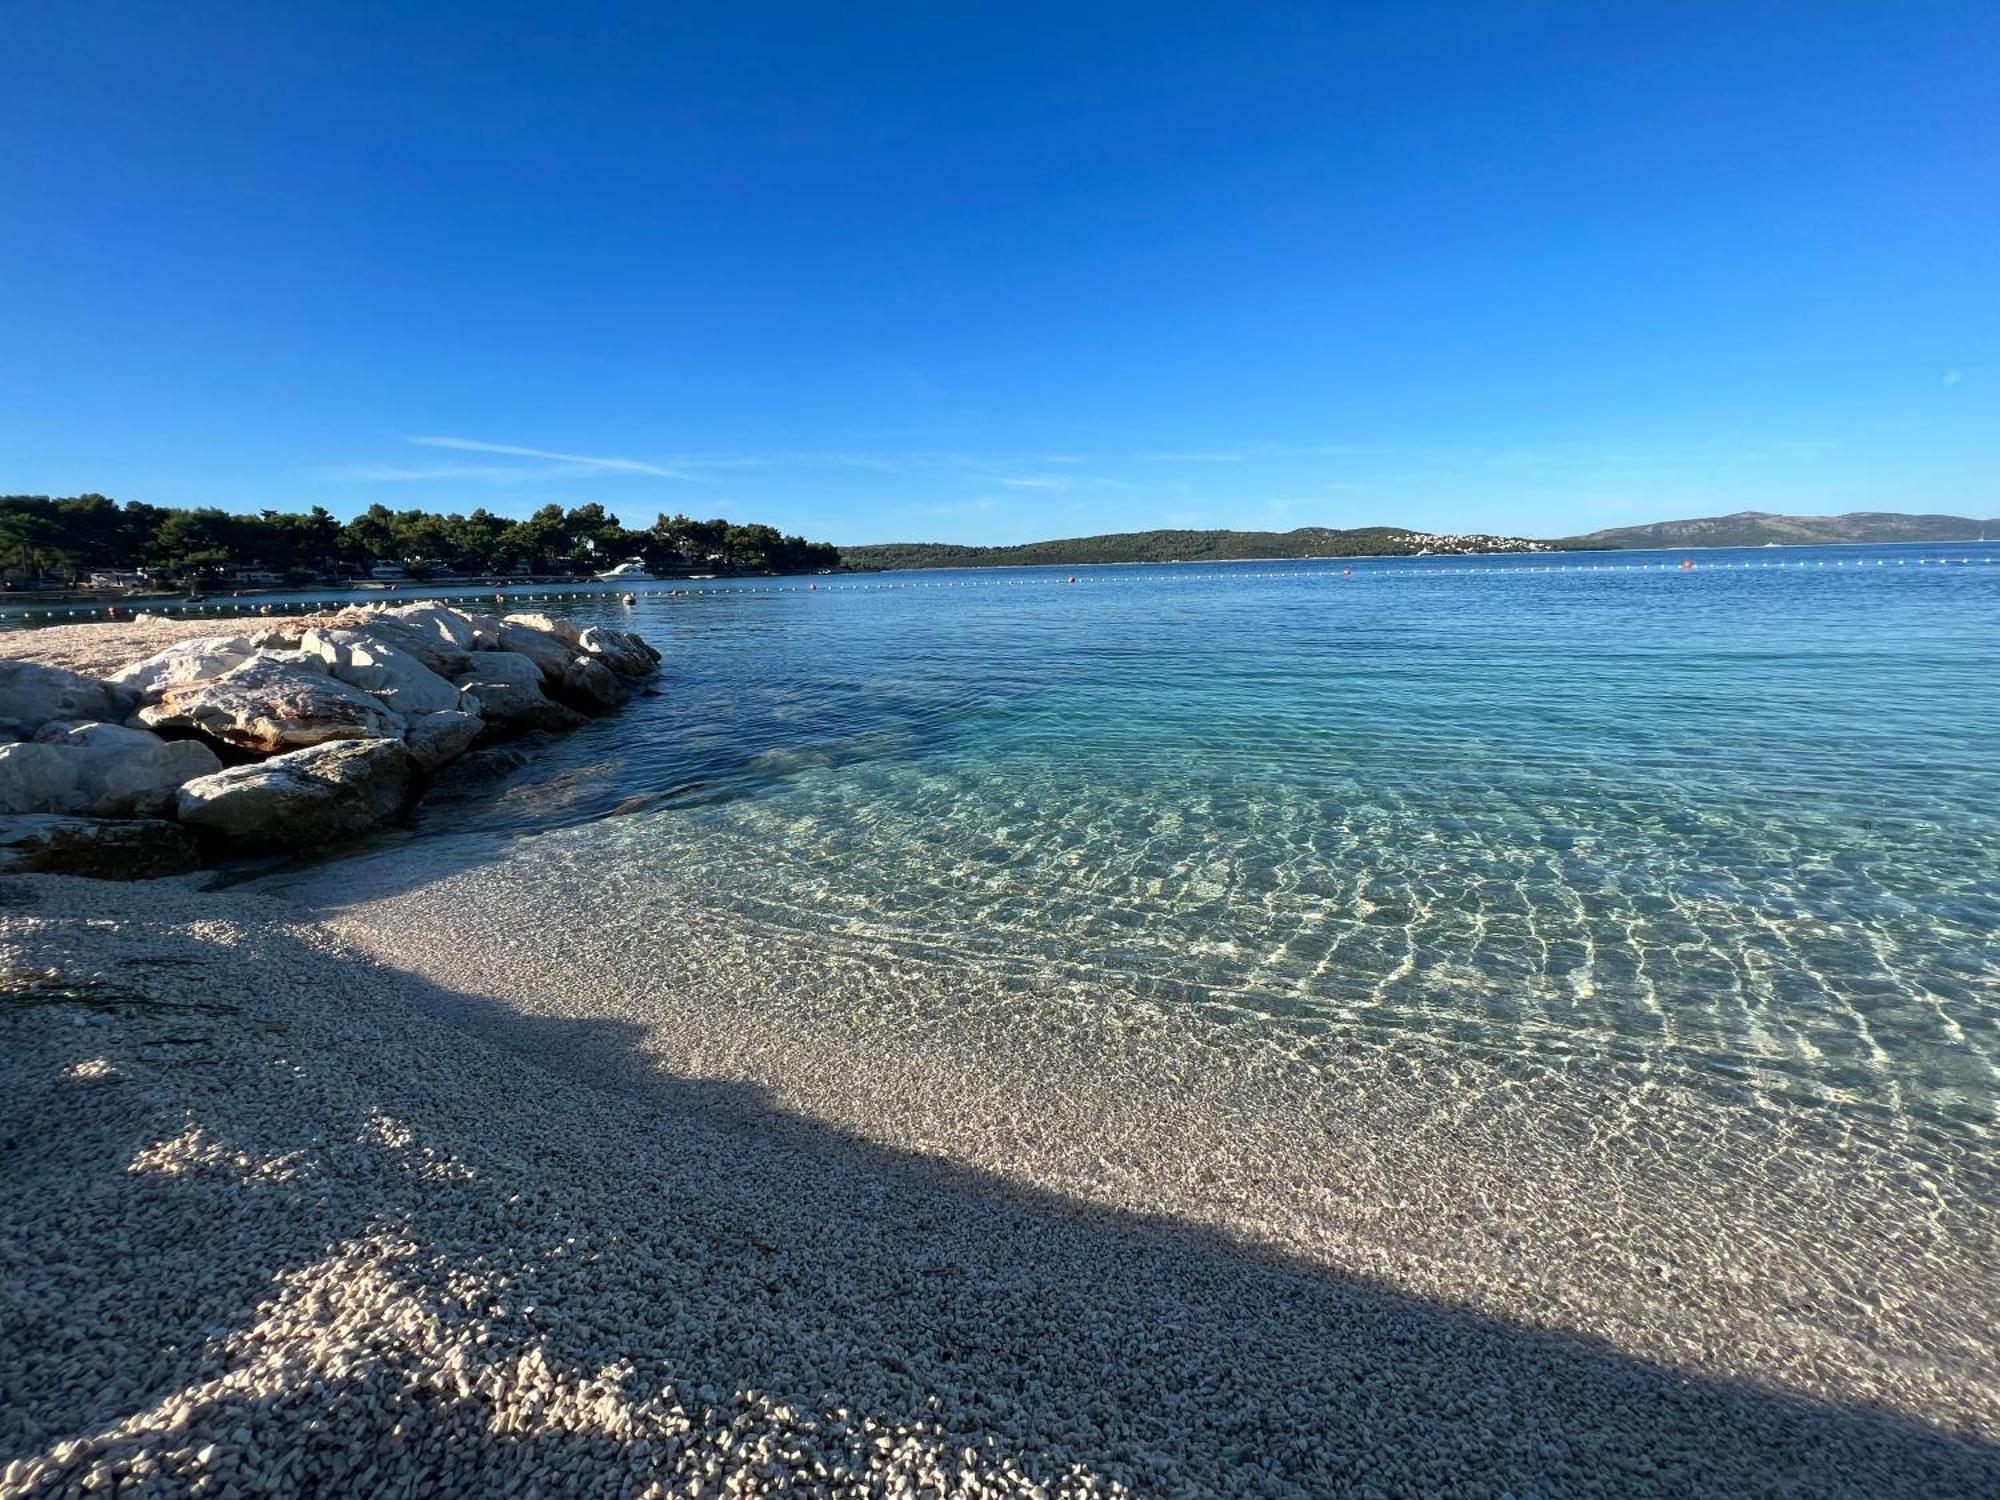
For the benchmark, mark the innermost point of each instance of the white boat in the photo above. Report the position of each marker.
(629, 571)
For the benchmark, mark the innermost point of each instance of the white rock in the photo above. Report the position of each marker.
(269, 705)
(433, 618)
(550, 652)
(364, 660)
(412, 637)
(563, 629)
(33, 695)
(302, 798)
(75, 733)
(98, 774)
(620, 650)
(438, 738)
(185, 661)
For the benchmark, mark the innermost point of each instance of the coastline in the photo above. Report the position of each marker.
(397, 1255)
(454, 1160)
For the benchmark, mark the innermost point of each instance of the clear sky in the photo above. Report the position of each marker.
(948, 271)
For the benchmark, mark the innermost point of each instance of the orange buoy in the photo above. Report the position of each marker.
(1686, 563)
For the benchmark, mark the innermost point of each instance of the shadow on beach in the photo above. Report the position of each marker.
(388, 1257)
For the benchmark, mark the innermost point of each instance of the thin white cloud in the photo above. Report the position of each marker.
(962, 507)
(1191, 458)
(486, 473)
(1953, 377)
(583, 461)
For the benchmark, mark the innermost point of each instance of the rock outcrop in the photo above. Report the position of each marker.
(365, 660)
(31, 696)
(544, 648)
(100, 770)
(435, 740)
(302, 798)
(620, 650)
(508, 689)
(349, 707)
(588, 680)
(185, 661)
(270, 706)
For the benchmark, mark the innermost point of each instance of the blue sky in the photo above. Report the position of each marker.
(993, 273)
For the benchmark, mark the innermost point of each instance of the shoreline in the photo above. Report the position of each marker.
(466, 1259)
(1580, 1195)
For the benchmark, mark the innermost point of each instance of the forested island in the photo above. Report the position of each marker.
(1187, 546)
(48, 542)
(1758, 528)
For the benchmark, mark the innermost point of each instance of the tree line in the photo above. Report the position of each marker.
(1174, 546)
(52, 540)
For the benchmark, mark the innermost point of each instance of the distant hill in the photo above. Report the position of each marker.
(1753, 528)
(1180, 546)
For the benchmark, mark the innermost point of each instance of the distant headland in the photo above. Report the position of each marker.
(1744, 529)
(1758, 528)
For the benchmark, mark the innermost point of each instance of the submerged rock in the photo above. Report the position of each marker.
(32, 695)
(100, 849)
(271, 705)
(103, 770)
(305, 797)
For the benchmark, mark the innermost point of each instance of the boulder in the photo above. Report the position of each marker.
(439, 738)
(508, 688)
(427, 646)
(365, 660)
(431, 618)
(103, 770)
(485, 629)
(271, 705)
(185, 661)
(73, 732)
(587, 681)
(546, 650)
(564, 630)
(113, 849)
(302, 798)
(33, 695)
(620, 650)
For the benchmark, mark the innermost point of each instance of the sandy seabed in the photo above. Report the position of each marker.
(418, 1207)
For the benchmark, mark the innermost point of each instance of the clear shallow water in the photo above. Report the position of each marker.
(1742, 822)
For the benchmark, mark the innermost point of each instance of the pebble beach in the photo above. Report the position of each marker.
(275, 1222)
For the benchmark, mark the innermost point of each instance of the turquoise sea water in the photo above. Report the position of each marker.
(1743, 818)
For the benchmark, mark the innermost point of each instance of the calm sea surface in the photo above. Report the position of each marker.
(1743, 818)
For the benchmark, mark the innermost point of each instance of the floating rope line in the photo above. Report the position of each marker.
(1351, 571)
